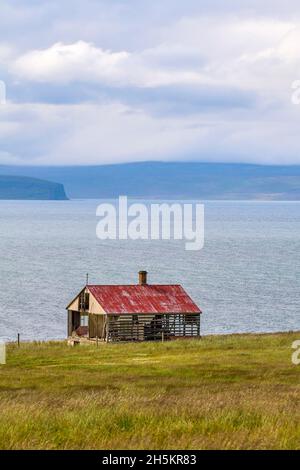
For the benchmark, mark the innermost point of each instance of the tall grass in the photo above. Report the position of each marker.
(228, 392)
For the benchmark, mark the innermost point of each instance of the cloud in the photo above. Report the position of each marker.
(176, 100)
(252, 51)
(128, 81)
(63, 63)
(83, 62)
(95, 134)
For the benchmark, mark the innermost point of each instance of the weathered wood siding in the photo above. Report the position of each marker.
(152, 327)
(70, 323)
(97, 326)
(74, 305)
(94, 306)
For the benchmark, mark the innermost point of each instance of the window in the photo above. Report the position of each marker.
(84, 301)
(81, 301)
(84, 320)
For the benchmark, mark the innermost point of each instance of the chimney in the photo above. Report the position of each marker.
(142, 278)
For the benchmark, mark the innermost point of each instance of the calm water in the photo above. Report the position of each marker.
(246, 278)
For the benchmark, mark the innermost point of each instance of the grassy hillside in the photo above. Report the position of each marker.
(227, 392)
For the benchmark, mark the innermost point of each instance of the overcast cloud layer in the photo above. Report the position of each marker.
(110, 81)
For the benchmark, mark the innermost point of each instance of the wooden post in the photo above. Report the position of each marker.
(97, 330)
(199, 325)
(162, 336)
(18, 340)
(107, 328)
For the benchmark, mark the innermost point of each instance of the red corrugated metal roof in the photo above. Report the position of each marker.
(147, 298)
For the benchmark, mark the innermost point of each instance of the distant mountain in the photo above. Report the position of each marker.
(173, 180)
(20, 187)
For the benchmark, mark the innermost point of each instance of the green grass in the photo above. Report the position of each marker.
(223, 392)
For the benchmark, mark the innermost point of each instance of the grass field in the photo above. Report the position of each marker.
(227, 392)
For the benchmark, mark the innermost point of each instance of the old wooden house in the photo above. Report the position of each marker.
(142, 312)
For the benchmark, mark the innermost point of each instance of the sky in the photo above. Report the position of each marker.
(113, 81)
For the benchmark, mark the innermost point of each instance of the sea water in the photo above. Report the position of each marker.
(245, 279)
